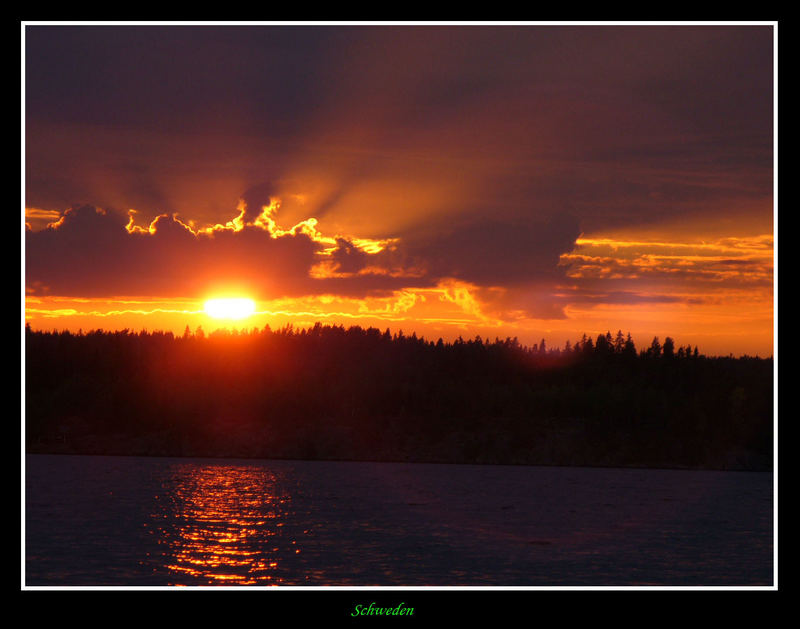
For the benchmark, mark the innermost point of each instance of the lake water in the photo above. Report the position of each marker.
(132, 521)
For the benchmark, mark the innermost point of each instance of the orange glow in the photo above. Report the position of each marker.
(738, 321)
(714, 290)
(231, 308)
(406, 200)
(230, 526)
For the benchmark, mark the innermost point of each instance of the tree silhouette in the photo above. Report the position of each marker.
(603, 347)
(630, 347)
(587, 346)
(331, 392)
(619, 342)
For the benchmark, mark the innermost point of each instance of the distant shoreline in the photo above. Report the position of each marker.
(748, 462)
(362, 395)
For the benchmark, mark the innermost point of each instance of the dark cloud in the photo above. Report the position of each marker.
(348, 257)
(627, 297)
(458, 142)
(626, 122)
(256, 198)
(92, 254)
(488, 251)
(162, 77)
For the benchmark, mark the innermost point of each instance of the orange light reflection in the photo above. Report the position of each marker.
(223, 524)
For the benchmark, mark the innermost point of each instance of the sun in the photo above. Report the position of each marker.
(232, 308)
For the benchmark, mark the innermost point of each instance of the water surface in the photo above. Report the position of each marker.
(159, 521)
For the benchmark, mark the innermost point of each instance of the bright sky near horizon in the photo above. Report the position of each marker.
(531, 181)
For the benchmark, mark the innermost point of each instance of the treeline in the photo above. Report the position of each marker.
(335, 393)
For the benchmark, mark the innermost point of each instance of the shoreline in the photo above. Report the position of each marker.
(732, 466)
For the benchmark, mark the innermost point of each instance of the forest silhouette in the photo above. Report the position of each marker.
(328, 392)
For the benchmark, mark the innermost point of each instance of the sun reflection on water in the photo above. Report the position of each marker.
(223, 524)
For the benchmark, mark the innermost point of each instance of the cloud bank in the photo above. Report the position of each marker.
(92, 252)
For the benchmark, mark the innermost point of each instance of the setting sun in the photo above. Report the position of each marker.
(239, 308)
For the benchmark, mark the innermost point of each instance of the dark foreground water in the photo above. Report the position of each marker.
(156, 521)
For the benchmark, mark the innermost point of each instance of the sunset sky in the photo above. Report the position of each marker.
(533, 181)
